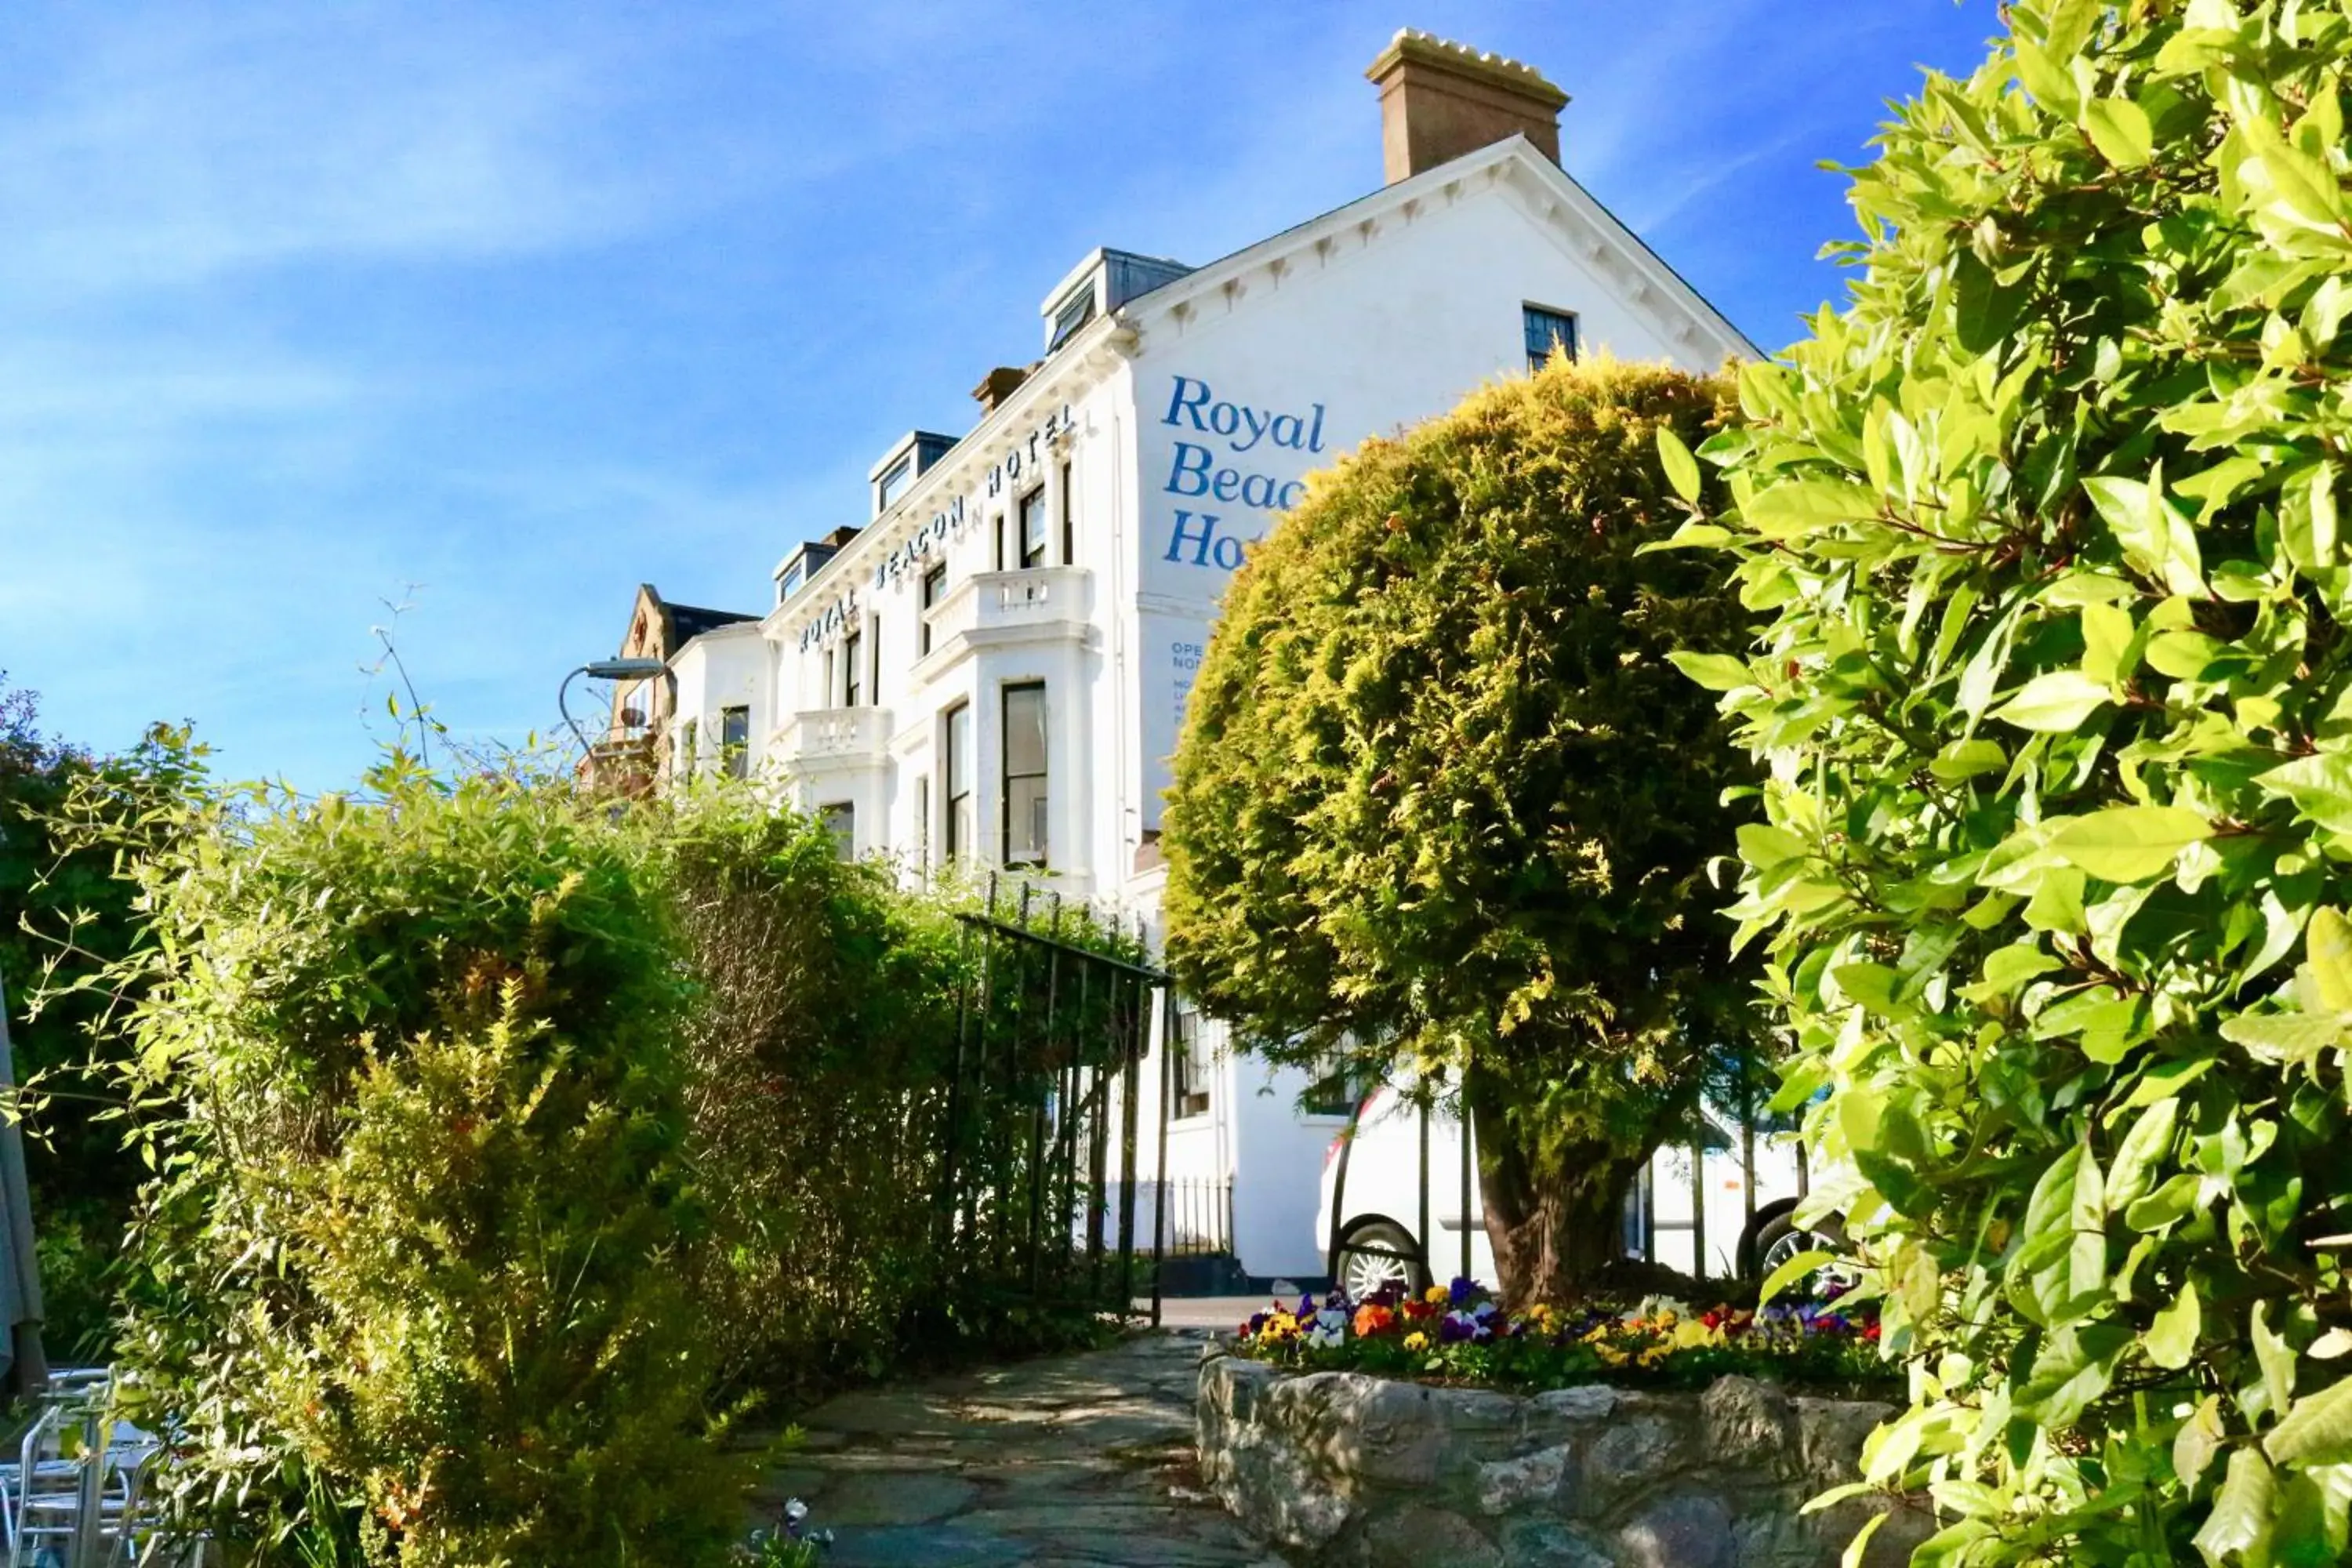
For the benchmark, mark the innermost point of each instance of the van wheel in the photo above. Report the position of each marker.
(1780, 1238)
(1379, 1254)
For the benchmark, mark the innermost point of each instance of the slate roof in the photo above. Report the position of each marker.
(689, 622)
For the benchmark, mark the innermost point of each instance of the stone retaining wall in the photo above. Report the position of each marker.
(1344, 1468)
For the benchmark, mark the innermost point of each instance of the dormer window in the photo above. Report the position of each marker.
(891, 480)
(893, 484)
(1103, 283)
(1075, 312)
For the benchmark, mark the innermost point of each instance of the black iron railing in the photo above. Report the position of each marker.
(1200, 1218)
(1041, 1183)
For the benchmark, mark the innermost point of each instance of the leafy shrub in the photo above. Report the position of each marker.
(64, 917)
(415, 1245)
(1442, 805)
(2053, 707)
(506, 1132)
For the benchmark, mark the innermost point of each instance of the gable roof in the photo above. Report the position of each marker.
(676, 625)
(1546, 191)
(1553, 195)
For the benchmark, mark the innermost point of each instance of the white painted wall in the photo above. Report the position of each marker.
(1188, 420)
(730, 667)
(1385, 331)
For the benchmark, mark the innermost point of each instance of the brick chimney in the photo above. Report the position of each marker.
(1441, 99)
(997, 385)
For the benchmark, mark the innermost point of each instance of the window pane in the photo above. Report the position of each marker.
(735, 737)
(1545, 328)
(935, 588)
(1024, 822)
(1024, 730)
(959, 768)
(1033, 528)
(893, 484)
(1192, 1083)
(841, 820)
(850, 667)
(1069, 520)
(1024, 775)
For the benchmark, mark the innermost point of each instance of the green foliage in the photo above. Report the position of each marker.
(498, 1134)
(2053, 707)
(1442, 804)
(818, 1055)
(64, 917)
(418, 1228)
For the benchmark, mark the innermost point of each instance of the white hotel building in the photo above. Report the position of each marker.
(991, 666)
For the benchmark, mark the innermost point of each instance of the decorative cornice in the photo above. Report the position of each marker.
(1071, 372)
(1588, 231)
(1412, 46)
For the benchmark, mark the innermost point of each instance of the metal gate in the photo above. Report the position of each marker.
(1048, 1118)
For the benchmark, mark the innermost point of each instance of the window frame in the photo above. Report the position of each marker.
(1072, 315)
(891, 487)
(1069, 518)
(735, 751)
(955, 760)
(1532, 314)
(1029, 559)
(1005, 777)
(1345, 1081)
(936, 578)
(1188, 1103)
(845, 844)
(923, 822)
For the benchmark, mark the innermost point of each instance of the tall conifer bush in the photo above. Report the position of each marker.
(2055, 710)
(1441, 805)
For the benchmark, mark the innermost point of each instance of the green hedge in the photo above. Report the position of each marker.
(2050, 717)
(504, 1138)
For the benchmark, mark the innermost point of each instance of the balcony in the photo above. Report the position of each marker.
(834, 738)
(624, 764)
(1012, 606)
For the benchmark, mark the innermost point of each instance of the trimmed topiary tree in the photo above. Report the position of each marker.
(1441, 806)
(2053, 707)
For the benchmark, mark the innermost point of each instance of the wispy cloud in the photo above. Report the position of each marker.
(302, 301)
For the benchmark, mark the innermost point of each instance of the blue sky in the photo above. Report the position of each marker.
(523, 303)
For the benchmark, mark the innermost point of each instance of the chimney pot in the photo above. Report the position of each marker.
(1441, 99)
(997, 385)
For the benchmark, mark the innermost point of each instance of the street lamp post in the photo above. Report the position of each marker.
(612, 669)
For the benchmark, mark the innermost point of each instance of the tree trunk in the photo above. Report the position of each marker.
(1556, 1216)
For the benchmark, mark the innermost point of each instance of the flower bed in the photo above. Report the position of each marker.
(1460, 1334)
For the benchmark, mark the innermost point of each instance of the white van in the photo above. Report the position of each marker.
(1380, 1221)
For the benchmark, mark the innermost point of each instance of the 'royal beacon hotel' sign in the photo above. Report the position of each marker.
(1026, 460)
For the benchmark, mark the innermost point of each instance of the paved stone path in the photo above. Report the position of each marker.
(1078, 1461)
